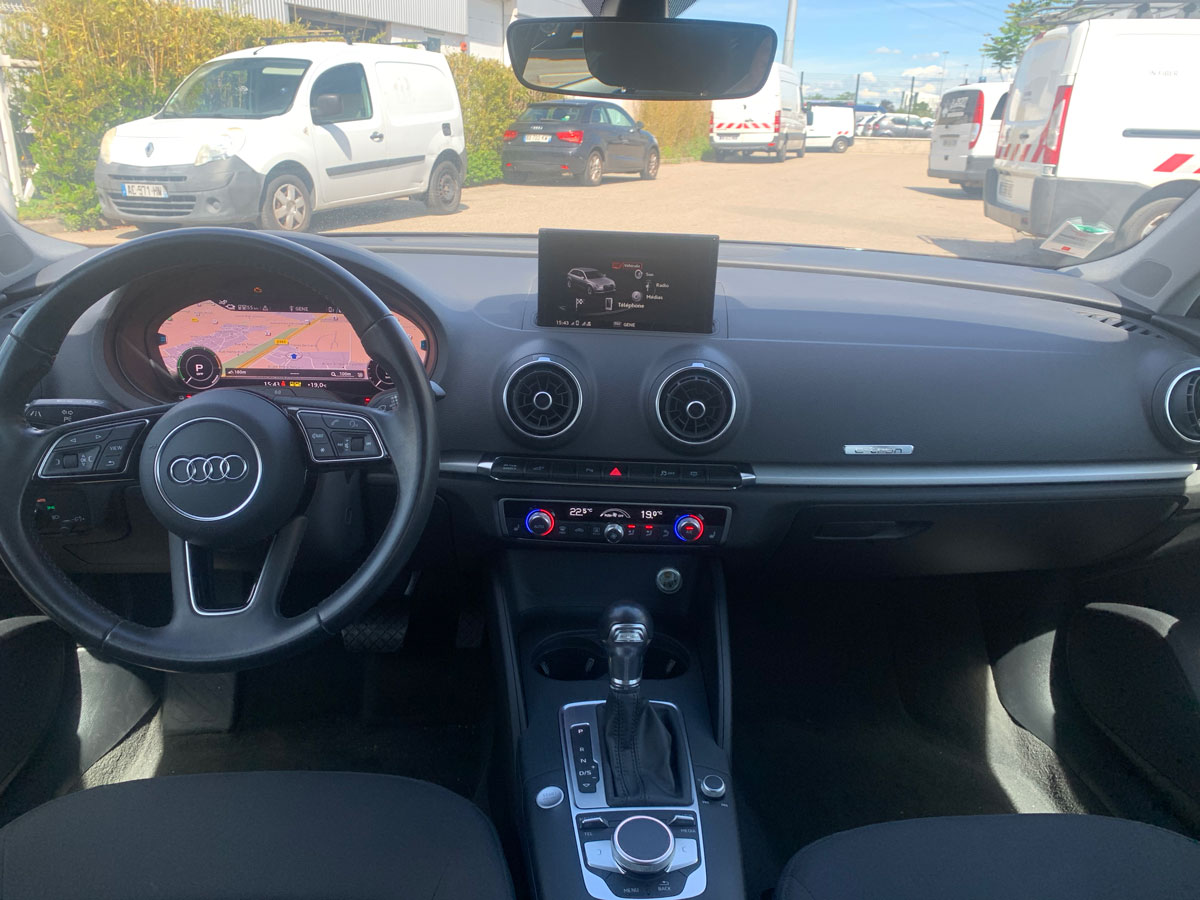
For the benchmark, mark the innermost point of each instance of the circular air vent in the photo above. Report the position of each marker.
(1181, 405)
(695, 404)
(542, 398)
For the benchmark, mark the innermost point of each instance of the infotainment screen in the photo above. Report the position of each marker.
(612, 279)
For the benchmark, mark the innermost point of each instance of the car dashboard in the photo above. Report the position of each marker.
(849, 413)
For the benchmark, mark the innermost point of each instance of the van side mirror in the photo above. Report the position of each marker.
(808, 116)
(639, 124)
(327, 108)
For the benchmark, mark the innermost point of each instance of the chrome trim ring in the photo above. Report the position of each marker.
(185, 513)
(542, 360)
(1167, 404)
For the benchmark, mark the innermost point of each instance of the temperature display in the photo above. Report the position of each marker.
(579, 512)
(651, 515)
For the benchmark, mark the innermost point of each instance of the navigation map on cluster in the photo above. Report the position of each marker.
(247, 338)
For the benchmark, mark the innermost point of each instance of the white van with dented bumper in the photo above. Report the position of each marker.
(272, 134)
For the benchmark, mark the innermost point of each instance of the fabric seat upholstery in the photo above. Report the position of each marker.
(1005, 857)
(261, 835)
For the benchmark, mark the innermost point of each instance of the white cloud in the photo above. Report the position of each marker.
(886, 50)
(931, 55)
(868, 77)
(868, 94)
(922, 71)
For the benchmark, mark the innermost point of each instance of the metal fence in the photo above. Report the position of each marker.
(901, 93)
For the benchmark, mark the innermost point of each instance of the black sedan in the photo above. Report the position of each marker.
(584, 139)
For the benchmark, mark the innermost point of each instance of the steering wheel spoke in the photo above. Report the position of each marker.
(101, 449)
(199, 591)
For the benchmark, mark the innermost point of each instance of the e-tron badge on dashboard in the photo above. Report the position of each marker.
(877, 449)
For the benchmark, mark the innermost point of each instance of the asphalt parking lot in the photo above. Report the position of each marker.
(862, 198)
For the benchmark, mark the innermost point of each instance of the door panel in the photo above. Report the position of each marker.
(349, 141)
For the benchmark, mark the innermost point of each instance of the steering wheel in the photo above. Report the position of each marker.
(227, 469)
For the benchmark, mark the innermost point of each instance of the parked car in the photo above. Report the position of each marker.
(963, 142)
(590, 280)
(583, 138)
(1126, 156)
(899, 125)
(863, 127)
(273, 134)
(770, 121)
(830, 126)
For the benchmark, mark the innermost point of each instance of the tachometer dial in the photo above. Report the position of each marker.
(379, 376)
(199, 368)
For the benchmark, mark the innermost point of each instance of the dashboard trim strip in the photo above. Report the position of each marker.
(774, 475)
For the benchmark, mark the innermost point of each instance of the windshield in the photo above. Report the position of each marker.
(237, 89)
(1033, 134)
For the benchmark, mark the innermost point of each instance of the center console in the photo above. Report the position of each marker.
(620, 722)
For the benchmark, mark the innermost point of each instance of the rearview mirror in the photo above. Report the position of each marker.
(662, 59)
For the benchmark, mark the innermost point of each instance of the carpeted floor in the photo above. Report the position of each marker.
(863, 703)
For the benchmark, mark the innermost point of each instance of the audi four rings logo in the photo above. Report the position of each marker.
(201, 469)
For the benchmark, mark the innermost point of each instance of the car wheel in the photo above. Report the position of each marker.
(781, 150)
(515, 177)
(720, 156)
(650, 169)
(593, 170)
(972, 190)
(287, 205)
(840, 145)
(445, 189)
(1144, 220)
(803, 148)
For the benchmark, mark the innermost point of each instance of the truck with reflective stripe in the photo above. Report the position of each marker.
(1101, 125)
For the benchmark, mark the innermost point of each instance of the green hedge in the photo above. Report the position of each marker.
(102, 62)
(491, 98)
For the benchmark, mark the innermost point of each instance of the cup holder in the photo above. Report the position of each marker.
(579, 657)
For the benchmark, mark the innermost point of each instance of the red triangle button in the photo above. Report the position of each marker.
(615, 473)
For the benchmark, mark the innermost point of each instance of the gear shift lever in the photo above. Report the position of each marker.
(626, 630)
(638, 745)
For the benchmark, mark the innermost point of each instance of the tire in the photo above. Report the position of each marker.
(593, 170)
(650, 169)
(972, 190)
(720, 156)
(445, 189)
(840, 145)
(515, 177)
(1144, 220)
(781, 150)
(287, 205)
(803, 148)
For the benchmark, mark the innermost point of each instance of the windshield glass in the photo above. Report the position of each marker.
(1033, 134)
(237, 89)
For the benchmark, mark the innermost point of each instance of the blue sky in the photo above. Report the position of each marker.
(891, 41)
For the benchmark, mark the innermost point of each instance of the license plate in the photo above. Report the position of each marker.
(1004, 187)
(537, 138)
(729, 137)
(950, 142)
(143, 190)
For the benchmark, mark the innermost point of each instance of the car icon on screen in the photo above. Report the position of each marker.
(590, 280)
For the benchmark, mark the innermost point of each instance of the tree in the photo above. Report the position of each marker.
(1006, 46)
(887, 106)
(844, 97)
(922, 108)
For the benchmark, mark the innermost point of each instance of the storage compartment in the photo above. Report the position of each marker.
(578, 656)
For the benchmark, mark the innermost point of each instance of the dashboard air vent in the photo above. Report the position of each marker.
(695, 405)
(1183, 415)
(542, 399)
(1130, 325)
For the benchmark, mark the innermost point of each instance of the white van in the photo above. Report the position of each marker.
(964, 135)
(830, 126)
(771, 121)
(272, 134)
(1112, 145)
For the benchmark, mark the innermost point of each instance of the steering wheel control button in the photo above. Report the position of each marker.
(84, 452)
(199, 368)
(643, 845)
(338, 437)
(549, 797)
(712, 787)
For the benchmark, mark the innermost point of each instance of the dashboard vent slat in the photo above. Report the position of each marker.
(695, 405)
(1132, 326)
(542, 399)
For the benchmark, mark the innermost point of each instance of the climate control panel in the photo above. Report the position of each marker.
(633, 524)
